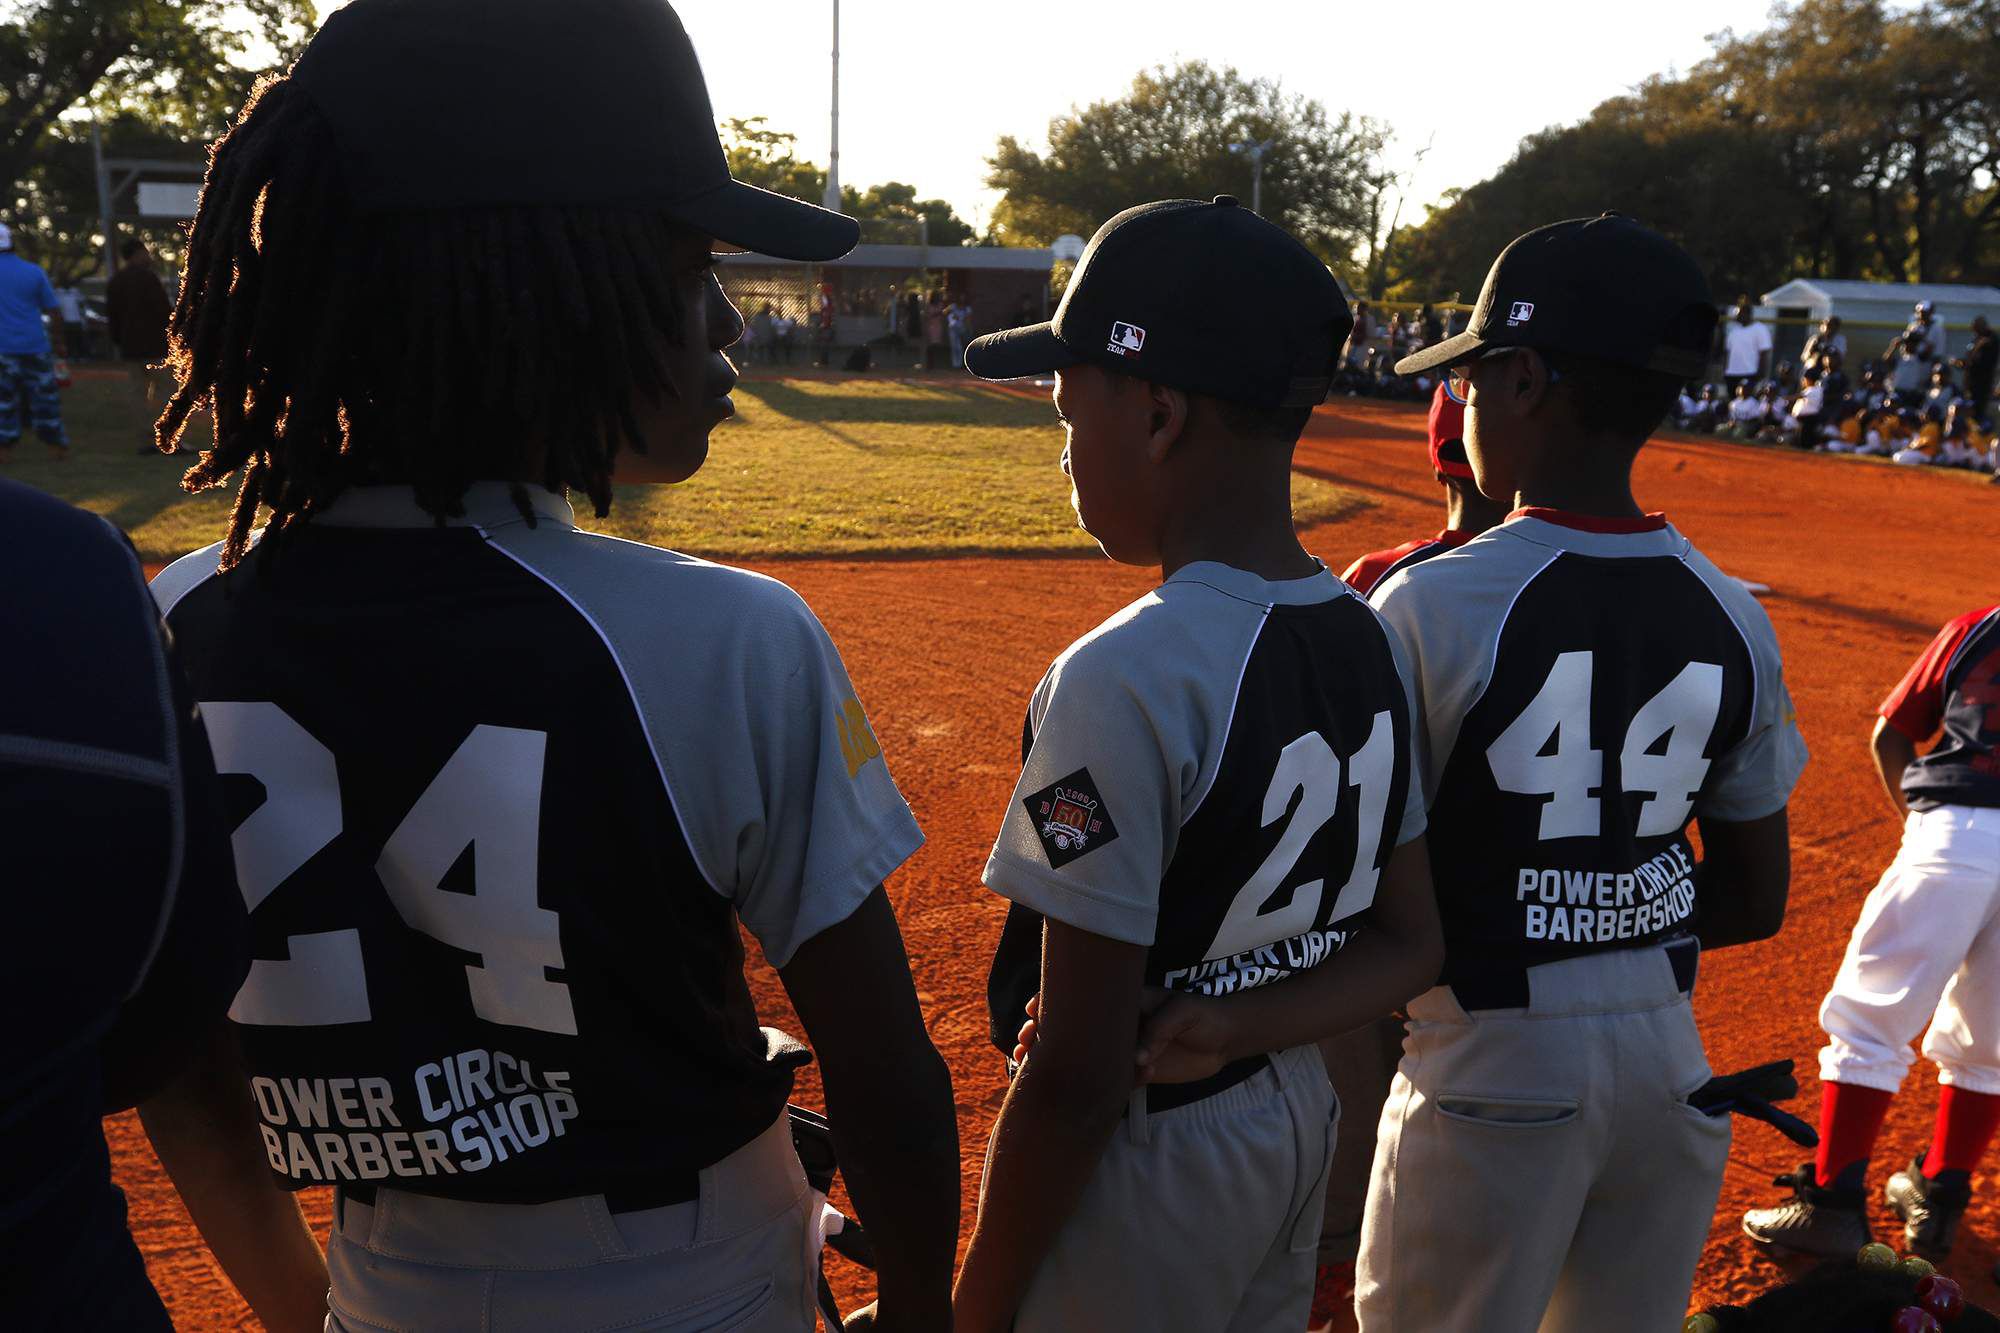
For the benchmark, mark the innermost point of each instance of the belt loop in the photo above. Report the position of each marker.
(1136, 1129)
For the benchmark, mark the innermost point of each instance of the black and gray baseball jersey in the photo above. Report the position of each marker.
(502, 793)
(1219, 772)
(1588, 686)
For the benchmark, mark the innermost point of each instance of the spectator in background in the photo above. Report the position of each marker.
(1779, 425)
(1747, 348)
(822, 328)
(1873, 393)
(1844, 436)
(1916, 348)
(1960, 447)
(764, 334)
(784, 334)
(1746, 412)
(1979, 363)
(1686, 406)
(913, 319)
(137, 310)
(1361, 336)
(69, 305)
(1826, 338)
(958, 328)
(1941, 393)
(1810, 407)
(1433, 327)
(1833, 377)
(1710, 410)
(28, 353)
(934, 322)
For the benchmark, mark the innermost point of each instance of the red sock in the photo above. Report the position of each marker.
(1965, 1125)
(1849, 1118)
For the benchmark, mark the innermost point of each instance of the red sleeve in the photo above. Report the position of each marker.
(1361, 575)
(1364, 573)
(1916, 706)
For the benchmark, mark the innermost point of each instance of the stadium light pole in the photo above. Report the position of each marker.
(833, 157)
(1256, 151)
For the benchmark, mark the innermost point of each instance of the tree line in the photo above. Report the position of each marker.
(1845, 139)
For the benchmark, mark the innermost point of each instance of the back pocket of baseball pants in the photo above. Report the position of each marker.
(726, 1310)
(1506, 1112)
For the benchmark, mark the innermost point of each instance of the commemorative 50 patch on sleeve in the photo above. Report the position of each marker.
(1070, 818)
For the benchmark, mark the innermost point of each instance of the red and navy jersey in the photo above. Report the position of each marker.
(502, 792)
(1954, 685)
(1218, 772)
(1371, 569)
(1588, 686)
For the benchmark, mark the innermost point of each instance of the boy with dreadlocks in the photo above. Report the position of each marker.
(505, 789)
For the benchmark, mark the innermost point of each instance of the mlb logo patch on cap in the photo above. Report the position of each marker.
(1126, 339)
(1520, 313)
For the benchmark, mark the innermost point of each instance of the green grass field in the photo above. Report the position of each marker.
(807, 468)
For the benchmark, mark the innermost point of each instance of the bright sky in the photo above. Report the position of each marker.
(927, 89)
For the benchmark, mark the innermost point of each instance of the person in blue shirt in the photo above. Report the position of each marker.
(28, 353)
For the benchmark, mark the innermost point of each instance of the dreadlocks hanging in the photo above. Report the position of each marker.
(432, 349)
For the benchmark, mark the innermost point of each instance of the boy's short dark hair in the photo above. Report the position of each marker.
(1626, 403)
(1273, 425)
(131, 248)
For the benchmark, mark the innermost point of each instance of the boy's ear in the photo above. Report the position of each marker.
(1167, 417)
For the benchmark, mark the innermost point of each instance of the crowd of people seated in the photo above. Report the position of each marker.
(1912, 404)
(1367, 365)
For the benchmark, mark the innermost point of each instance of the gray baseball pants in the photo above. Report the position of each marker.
(1540, 1168)
(1201, 1219)
(744, 1257)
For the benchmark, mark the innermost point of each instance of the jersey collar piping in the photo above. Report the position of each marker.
(1247, 587)
(488, 504)
(1653, 522)
(1656, 538)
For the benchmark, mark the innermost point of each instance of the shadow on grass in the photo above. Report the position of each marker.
(926, 404)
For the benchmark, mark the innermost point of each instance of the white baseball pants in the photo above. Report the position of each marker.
(1540, 1168)
(743, 1257)
(1925, 951)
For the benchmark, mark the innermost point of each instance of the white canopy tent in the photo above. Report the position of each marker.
(1872, 312)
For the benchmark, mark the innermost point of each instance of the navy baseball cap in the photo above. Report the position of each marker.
(1204, 297)
(439, 104)
(1603, 287)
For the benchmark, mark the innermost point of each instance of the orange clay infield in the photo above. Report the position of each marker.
(1865, 562)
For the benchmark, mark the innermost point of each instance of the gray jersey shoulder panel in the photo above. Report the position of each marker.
(1446, 614)
(750, 717)
(1142, 705)
(183, 576)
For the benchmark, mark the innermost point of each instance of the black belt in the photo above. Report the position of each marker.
(1170, 1096)
(1479, 986)
(659, 1192)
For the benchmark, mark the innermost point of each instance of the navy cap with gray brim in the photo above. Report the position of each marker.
(1603, 287)
(1207, 297)
(442, 104)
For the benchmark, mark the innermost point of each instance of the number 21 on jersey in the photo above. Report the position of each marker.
(1309, 770)
(487, 797)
